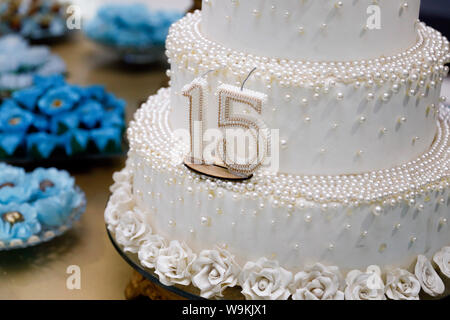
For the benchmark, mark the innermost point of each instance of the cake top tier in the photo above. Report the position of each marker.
(324, 30)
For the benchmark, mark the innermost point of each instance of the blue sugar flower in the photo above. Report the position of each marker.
(131, 25)
(90, 113)
(14, 186)
(8, 63)
(34, 57)
(51, 182)
(41, 144)
(18, 221)
(104, 137)
(81, 91)
(113, 104)
(96, 92)
(31, 28)
(37, 19)
(54, 211)
(54, 65)
(28, 97)
(160, 35)
(63, 122)
(58, 100)
(12, 44)
(40, 123)
(15, 119)
(132, 16)
(5, 166)
(19, 63)
(47, 82)
(111, 119)
(10, 142)
(9, 104)
(58, 27)
(75, 141)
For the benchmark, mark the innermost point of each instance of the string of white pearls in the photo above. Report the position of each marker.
(150, 137)
(423, 63)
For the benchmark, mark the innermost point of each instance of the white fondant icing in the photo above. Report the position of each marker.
(254, 225)
(312, 29)
(364, 160)
(180, 265)
(318, 107)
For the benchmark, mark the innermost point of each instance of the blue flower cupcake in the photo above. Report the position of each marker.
(54, 118)
(41, 144)
(37, 19)
(58, 100)
(15, 119)
(20, 63)
(55, 210)
(133, 29)
(55, 196)
(18, 222)
(50, 182)
(52, 200)
(14, 185)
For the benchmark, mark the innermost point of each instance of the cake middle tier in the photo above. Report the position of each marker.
(332, 117)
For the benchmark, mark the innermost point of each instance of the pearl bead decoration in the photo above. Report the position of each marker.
(150, 139)
(429, 55)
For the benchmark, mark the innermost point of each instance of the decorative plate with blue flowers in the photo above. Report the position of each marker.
(36, 207)
(54, 119)
(36, 19)
(20, 62)
(136, 32)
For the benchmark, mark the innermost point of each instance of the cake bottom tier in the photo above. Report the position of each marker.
(276, 245)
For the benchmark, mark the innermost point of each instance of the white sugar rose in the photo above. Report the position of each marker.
(265, 280)
(442, 259)
(429, 279)
(131, 230)
(365, 285)
(317, 283)
(121, 179)
(122, 176)
(111, 216)
(214, 271)
(174, 263)
(402, 285)
(149, 250)
(120, 202)
(122, 199)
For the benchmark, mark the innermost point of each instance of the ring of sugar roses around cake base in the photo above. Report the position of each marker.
(257, 219)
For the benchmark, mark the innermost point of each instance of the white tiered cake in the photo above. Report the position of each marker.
(359, 205)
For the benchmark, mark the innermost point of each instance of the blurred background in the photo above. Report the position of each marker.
(436, 13)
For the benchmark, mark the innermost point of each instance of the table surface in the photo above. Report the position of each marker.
(41, 272)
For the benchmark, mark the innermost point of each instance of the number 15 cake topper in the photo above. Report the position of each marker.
(244, 141)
